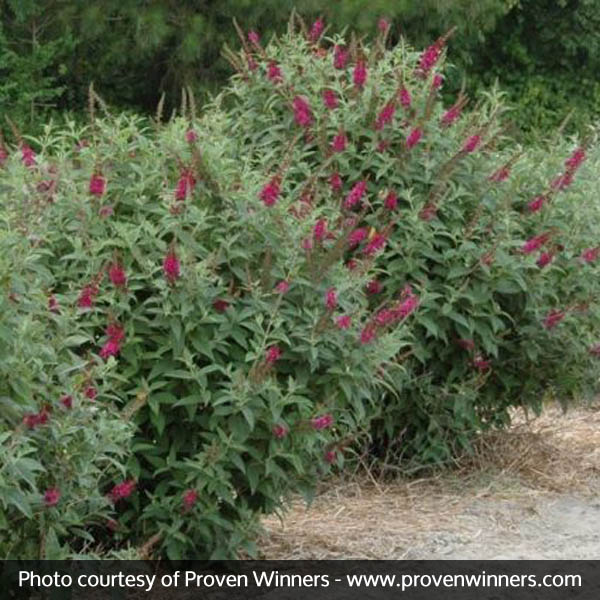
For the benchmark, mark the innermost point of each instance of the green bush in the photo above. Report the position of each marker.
(260, 289)
(58, 450)
(455, 230)
(174, 278)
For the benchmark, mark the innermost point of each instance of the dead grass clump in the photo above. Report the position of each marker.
(365, 518)
(554, 452)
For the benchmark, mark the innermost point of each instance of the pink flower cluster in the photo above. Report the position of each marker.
(374, 287)
(481, 363)
(220, 305)
(344, 321)
(535, 243)
(27, 155)
(359, 76)
(97, 185)
(553, 318)
(171, 267)
(478, 362)
(330, 99)
(357, 236)
(185, 184)
(32, 420)
(87, 296)
(282, 287)
(335, 181)
(270, 192)
(302, 113)
(115, 332)
(590, 255)
(451, 115)
(316, 30)
(572, 163)
(117, 275)
(51, 497)
(472, 143)
(279, 431)
(274, 72)
(375, 244)
(307, 244)
(322, 422)
(273, 354)
(340, 57)
(90, 392)
(407, 304)
(414, 137)
(53, 305)
(112, 347)
(330, 456)
(355, 195)
(391, 201)
(563, 181)
(331, 298)
(122, 490)
(340, 141)
(368, 333)
(405, 99)
(385, 116)
(500, 175)
(383, 24)
(537, 203)
(428, 212)
(320, 230)
(429, 58)
(544, 259)
(190, 497)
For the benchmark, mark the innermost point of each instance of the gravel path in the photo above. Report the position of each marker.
(556, 527)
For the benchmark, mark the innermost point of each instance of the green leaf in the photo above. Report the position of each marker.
(17, 499)
(77, 340)
(52, 548)
(249, 416)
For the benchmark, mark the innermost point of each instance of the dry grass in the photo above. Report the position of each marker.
(555, 452)
(363, 518)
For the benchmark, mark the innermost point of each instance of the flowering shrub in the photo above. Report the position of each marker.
(58, 449)
(225, 327)
(327, 253)
(497, 245)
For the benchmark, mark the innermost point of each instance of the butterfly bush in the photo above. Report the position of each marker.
(215, 293)
(211, 309)
(59, 450)
(497, 242)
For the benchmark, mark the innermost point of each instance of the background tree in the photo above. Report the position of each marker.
(544, 52)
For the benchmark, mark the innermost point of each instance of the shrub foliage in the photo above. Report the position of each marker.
(499, 242)
(327, 256)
